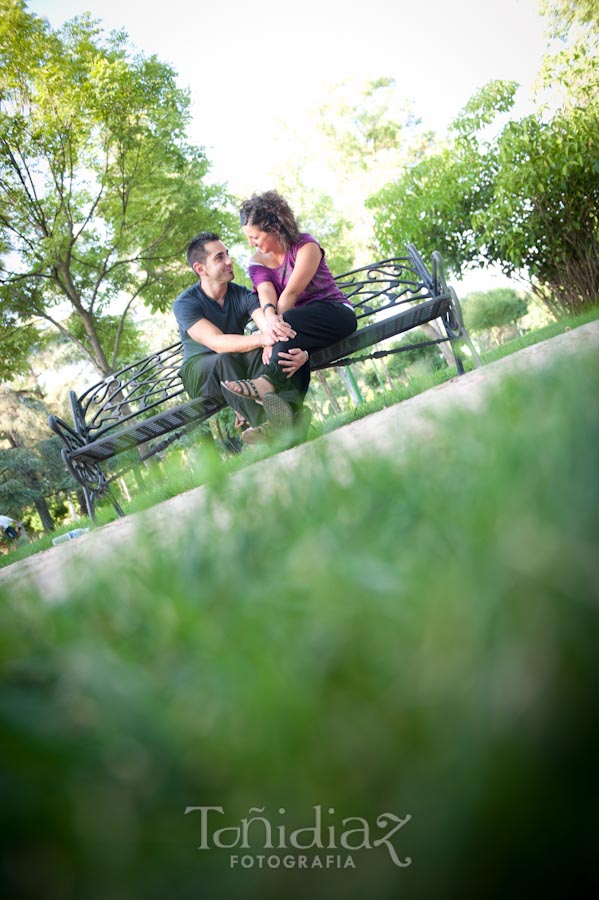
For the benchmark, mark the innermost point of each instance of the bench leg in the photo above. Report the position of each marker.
(93, 481)
(457, 333)
(105, 490)
(475, 355)
(459, 360)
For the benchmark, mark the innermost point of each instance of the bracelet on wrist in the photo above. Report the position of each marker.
(267, 305)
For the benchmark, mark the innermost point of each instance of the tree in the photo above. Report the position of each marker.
(432, 203)
(564, 14)
(524, 195)
(29, 476)
(316, 212)
(31, 468)
(23, 415)
(527, 198)
(366, 125)
(544, 213)
(371, 132)
(493, 309)
(99, 189)
(494, 314)
(362, 136)
(16, 342)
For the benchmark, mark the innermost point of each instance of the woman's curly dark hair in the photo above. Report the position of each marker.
(270, 212)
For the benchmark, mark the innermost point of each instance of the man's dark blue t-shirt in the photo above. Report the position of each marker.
(193, 304)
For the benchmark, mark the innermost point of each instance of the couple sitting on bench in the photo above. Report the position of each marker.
(297, 307)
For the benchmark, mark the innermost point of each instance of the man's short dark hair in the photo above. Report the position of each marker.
(196, 249)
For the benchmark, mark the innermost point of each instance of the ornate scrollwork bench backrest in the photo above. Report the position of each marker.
(385, 285)
(137, 388)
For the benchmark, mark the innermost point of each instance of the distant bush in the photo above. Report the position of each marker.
(493, 309)
(412, 636)
(398, 365)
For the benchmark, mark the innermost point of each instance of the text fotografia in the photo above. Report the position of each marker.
(256, 832)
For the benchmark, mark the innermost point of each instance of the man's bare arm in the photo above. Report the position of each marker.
(204, 332)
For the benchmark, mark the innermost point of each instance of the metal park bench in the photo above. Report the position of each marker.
(145, 403)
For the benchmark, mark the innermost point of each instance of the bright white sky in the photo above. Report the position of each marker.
(251, 66)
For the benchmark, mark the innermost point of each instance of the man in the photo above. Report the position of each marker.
(212, 315)
(7, 525)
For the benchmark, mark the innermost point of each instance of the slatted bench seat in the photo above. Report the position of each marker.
(145, 403)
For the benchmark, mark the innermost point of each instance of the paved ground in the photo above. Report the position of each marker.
(392, 428)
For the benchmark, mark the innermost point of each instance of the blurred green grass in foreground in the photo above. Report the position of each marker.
(413, 636)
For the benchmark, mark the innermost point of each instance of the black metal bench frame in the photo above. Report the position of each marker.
(143, 402)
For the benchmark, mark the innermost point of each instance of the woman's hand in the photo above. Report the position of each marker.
(279, 329)
(292, 360)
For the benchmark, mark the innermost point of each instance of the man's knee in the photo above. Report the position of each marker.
(201, 377)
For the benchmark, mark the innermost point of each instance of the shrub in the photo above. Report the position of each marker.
(484, 310)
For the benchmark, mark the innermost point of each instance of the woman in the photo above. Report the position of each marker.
(294, 285)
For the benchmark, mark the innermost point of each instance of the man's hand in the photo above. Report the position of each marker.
(293, 360)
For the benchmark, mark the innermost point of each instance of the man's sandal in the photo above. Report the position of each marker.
(248, 390)
(279, 414)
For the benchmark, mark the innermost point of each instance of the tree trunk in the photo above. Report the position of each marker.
(377, 374)
(81, 501)
(433, 333)
(387, 374)
(347, 376)
(334, 405)
(44, 513)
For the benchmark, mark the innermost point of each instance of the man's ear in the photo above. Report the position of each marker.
(198, 268)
